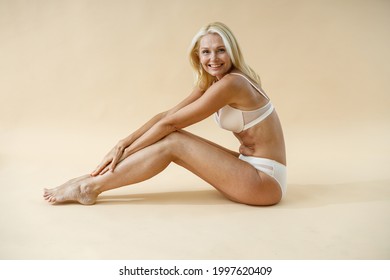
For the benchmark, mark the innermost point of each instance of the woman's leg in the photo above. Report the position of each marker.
(236, 179)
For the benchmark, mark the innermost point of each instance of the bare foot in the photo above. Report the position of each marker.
(76, 190)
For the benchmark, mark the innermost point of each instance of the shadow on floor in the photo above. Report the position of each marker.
(201, 197)
(301, 196)
(298, 196)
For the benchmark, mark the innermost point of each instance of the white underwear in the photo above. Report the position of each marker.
(270, 167)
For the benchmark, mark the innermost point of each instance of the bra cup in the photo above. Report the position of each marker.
(231, 119)
(237, 120)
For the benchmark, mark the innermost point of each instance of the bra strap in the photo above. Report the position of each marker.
(253, 85)
(269, 111)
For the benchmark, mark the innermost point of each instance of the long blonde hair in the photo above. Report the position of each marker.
(204, 79)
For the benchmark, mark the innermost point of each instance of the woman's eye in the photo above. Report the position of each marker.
(221, 50)
(205, 52)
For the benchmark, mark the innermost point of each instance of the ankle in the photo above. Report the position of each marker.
(90, 186)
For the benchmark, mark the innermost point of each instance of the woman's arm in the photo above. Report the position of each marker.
(126, 142)
(217, 96)
(195, 94)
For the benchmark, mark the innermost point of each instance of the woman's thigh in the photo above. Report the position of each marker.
(236, 179)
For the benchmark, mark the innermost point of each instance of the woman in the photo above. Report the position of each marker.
(226, 87)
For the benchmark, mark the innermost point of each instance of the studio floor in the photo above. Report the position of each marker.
(178, 216)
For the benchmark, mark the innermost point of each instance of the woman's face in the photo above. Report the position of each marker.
(213, 56)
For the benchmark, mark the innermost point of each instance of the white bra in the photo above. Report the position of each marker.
(236, 120)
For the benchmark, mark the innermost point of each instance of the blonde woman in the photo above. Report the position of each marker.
(226, 87)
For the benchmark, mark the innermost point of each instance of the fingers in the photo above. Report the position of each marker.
(124, 153)
(116, 159)
(101, 167)
(104, 170)
(111, 160)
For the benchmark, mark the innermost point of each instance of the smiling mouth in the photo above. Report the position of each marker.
(215, 66)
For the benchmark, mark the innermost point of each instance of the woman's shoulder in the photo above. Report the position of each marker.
(237, 81)
(245, 82)
(227, 83)
(233, 79)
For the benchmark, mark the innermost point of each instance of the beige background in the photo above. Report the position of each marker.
(76, 76)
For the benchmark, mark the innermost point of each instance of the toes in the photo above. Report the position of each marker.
(48, 195)
(46, 191)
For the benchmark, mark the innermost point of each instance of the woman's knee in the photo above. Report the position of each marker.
(173, 141)
(175, 137)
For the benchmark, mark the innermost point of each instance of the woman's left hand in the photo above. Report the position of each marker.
(111, 160)
(121, 152)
